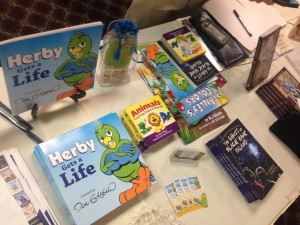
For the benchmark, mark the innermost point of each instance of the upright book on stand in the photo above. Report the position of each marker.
(246, 162)
(94, 169)
(45, 67)
(263, 57)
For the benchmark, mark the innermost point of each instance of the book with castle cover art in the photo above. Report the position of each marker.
(49, 66)
(94, 169)
(151, 120)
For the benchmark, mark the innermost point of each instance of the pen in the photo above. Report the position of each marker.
(21, 127)
(243, 25)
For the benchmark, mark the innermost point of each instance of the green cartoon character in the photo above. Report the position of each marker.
(77, 71)
(121, 159)
(167, 69)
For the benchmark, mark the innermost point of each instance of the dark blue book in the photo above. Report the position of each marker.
(232, 172)
(242, 153)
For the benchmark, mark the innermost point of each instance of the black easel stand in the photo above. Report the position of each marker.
(80, 94)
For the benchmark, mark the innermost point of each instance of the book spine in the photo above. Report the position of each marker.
(38, 153)
(283, 103)
(268, 99)
(231, 172)
(134, 136)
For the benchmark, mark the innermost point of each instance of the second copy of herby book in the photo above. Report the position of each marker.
(246, 162)
(94, 169)
(45, 67)
(263, 57)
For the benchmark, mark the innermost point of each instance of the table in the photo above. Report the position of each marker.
(226, 205)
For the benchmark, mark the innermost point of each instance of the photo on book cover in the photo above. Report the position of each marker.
(281, 93)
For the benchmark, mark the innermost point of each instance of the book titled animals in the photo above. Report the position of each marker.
(150, 121)
(246, 162)
(183, 44)
(94, 169)
(46, 67)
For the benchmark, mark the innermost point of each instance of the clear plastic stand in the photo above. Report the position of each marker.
(118, 56)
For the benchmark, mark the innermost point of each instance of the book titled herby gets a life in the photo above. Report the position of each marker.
(94, 169)
(45, 67)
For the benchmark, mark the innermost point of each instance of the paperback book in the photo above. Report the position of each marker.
(46, 67)
(203, 101)
(281, 93)
(198, 70)
(263, 57)
(183, 44)
(246, 162)
(94, 169)
(188, 132)
(149, 122)
(167, 70)
(21, 200)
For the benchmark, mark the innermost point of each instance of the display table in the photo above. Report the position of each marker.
(226, 204)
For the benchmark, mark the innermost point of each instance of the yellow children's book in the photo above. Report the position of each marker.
(149, 122)
(183, 44)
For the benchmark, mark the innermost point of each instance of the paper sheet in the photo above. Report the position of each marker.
(256, 17)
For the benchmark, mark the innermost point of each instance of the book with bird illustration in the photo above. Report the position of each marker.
(166, 68)
(150, 122)
(46, 67)
(94, 169)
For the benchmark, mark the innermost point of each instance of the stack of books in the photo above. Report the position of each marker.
(183, 44)
(94, 169)
(149, 122)
(191, 91)
(245, 161)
